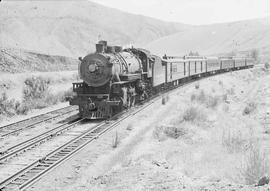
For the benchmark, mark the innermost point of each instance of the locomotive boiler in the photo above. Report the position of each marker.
(113, 79)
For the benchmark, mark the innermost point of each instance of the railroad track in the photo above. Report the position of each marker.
(16, 127)
(37, 140)
(28, 175)
(31, 173)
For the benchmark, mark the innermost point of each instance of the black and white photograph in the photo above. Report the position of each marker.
(133, 95)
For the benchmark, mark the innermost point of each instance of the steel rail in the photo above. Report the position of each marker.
(20, 126)
(30, 143)
(27, 176)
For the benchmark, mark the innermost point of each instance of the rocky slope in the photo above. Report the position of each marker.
(17, 61)
(71, 28)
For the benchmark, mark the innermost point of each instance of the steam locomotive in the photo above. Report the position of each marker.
(115, 79)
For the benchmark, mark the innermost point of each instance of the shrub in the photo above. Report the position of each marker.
(129, 127)
(220, 83)
(254, 54)
(251, 106)
(193, 97)
(212, 101)
(10, 107)
(208, 100)
(193, 113)
(68, 94)
(255, 165)
(36, 88)
(201, 97)
(173, 131)
(37, 95)
(115, 140)
(197, 86)
(162, 131)
(225, 97)
(267, 66)
(158, 133)
(7, 107)
(230, 91)
(165, 99)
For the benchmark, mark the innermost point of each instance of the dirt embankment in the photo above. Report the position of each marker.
(18, 61)
(212, 135)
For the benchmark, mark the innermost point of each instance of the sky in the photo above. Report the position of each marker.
(196, 12)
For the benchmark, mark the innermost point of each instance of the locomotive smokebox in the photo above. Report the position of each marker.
(95, 70)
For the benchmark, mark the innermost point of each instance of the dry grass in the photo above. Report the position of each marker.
(233, 141)
(255, 165)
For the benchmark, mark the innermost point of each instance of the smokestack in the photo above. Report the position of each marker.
(104, 43)
(99, 48)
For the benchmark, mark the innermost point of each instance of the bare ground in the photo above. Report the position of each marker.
(193, 142)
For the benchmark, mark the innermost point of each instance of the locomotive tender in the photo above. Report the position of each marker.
(114, 79)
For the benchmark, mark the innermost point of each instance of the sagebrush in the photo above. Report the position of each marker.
(36, 95)
(192, 114)
(255, 165)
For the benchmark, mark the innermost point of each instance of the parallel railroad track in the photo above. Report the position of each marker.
(31, 173)
(16, 127)
(27, 176)
(37, 140)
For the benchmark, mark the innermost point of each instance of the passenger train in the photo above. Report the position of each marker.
(114, 78)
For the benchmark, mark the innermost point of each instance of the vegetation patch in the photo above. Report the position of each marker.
(233, 141)
(173, 131)
(8, 107)
(115, 140)
(255, 165)
(36, 95)
(208, 100)
(250, 107)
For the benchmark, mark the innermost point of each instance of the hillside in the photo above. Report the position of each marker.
(18, 61)
(71, 28)
(217, 38)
